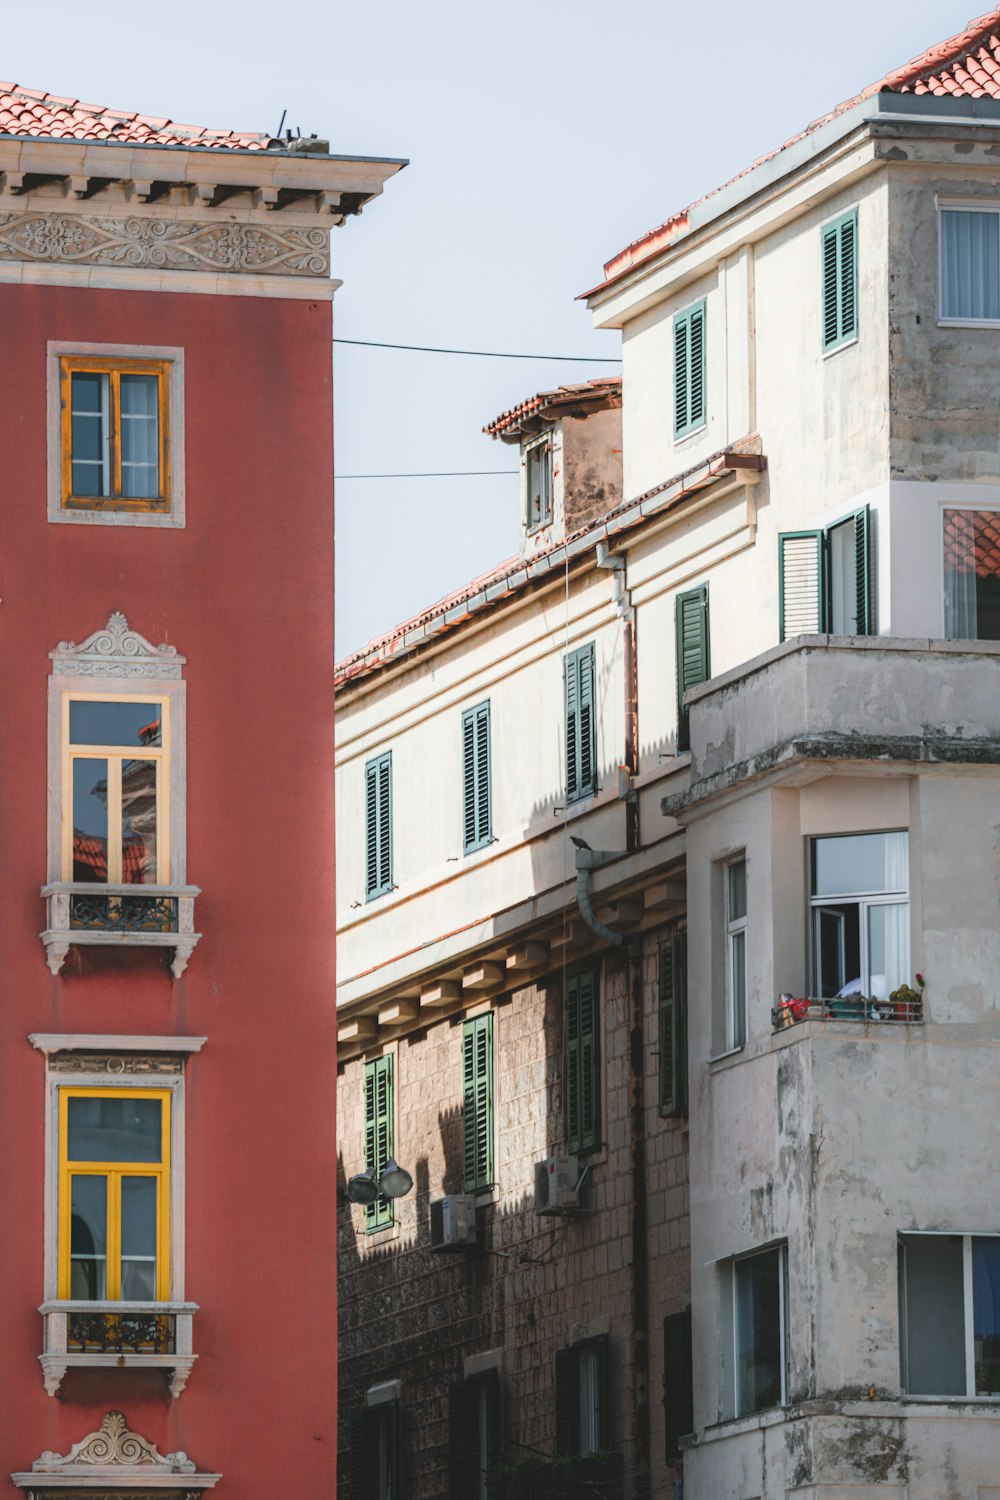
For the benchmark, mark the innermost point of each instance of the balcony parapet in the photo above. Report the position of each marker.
(847, 1008)
(85, 915)
(116, 1335)
(846, 698)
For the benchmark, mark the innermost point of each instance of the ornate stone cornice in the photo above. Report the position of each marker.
(163, 244)
(118, 1463)
(116, 651)
(113, 1445)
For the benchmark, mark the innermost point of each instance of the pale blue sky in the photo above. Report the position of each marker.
(541, 140)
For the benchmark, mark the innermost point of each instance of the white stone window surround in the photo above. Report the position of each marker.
(175, 517)
(114, 1050)
(974, 205)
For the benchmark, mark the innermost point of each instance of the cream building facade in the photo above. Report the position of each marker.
(759, 682)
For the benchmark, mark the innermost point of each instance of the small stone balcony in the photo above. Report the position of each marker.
(793, 1012)
(81, 915)
(118, 1335)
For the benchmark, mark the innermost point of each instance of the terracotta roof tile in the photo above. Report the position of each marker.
(33, 112)
(947, 68)
(604, 391)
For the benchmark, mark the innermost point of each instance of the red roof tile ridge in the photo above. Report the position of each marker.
(919, 70)
(26, 111)
(545, 398)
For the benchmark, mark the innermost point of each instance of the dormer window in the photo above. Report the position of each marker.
(538, 484)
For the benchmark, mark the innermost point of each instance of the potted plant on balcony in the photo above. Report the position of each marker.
(906, 1001)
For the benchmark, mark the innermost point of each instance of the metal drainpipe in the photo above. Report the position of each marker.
(586, 861)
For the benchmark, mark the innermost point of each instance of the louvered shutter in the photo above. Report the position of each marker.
(678, 1391)
(689, 369)
(567, 1403)
(378, 826)
(840, 280)
(582, 1101)
(603, 1392)
(476, 798)
(459, 1442)
(356, 1461)
(378, 1133)
(864, 573)
(673, 1024)
(801, 584)
(692, 653)
(477, 1103)
(581, 724)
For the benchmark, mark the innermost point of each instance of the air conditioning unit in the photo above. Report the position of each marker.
(557, 1186)
(453, 1222)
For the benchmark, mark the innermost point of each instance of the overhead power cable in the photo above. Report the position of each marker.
(437, 474)
(572, 359)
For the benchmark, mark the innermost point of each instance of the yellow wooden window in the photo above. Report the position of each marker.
(115, 428)
(114, 1194)
(116, 789)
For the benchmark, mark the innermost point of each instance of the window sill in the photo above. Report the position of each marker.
(81, 915)
(968, 322)
(90, 1335)
(728, 1056)
(680, 438)
(838, 348)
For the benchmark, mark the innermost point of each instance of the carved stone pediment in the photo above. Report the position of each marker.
(116, 651)
(183, 245)
(115, 1463)
(113, 1445)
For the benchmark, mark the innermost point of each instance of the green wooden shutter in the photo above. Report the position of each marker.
(678, 1388)
(460, 1439)
(378, 826)
(864, 573)
(378, 1133)
(691, 618)
(673, 1024)
(582, 1101)
(476, 796)
(840, 280)
(581, 724)
(567, 1404)
(603, 1392)
(801, 584)
(689, 369)
(356, 1462)
(477, 1103)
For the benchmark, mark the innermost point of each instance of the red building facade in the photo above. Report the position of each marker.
(167, 1037)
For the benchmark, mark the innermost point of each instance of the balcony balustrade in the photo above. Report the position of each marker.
(793, 1012)
(119, 916)
(135, 1335)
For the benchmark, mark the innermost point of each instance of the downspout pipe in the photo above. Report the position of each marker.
(586, 861)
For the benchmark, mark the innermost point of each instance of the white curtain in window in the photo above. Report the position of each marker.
(895, 848)
(888, 948)
(960, 575)
(970, 264)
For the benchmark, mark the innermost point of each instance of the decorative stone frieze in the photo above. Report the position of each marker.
(116, 651)
(161, 244)
(115, 1463)
(117, 1063)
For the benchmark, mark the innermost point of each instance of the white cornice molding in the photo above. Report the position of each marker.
(114, 1457)
(51, 1043)
(116, 651)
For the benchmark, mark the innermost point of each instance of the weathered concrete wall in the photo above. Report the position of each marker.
(943, 395)
(412, 1315)
(592, 466)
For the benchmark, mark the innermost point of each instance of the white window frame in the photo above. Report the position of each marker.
(173, 518)
(736, 1014)
(944, 507)
(546, 445)
(117, 662)
(968, 1310)
(864, 901)
(782, 1249)
(960, 205)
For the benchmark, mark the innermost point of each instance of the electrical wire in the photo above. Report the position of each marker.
(572, 359)
(433, 474)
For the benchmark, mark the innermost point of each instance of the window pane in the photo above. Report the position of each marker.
(970, 264)
(843, 580)
(90, 820)
(986, 1315)
(539, 480)
(736, 877)
(860, 864)
(140, 436)
(89, 419)
(888, 948)
(933, 1299)
(88, 1246)
(126, 724)
(589, 1386)
(138, 822)
(138, 1238)
(758, 1332)
(738, 987)
(972, 575)
(115, 1130)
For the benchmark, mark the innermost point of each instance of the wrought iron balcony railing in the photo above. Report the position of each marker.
(847, 1008)
(144, 916)
(138, 1335)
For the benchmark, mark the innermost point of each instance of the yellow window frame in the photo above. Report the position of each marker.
(114, 1172)
(115, 755)
(70, 364)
